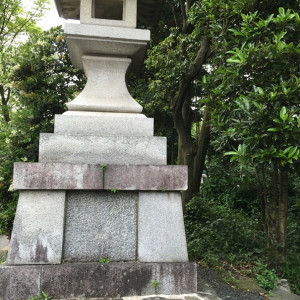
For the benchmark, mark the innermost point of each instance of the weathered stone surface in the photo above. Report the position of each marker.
(83, 39)
(102, 150)
(64, 176)
(123, 279)
(103, 126)
(161, 235)
(57, 176)
(149, 178)
(165, 297)
(38, 228)
(105, 90)
(100, 225)
(96, 280)
(177, 278)
(19, 283)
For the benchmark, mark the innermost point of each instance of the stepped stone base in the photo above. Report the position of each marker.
(91, 149)
(111, 125)
(97, 280)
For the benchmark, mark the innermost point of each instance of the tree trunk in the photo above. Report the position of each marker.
(274, 205)
(282, 216)
(261, 191)
(5, 96)
(272, 217)
(191, 153)
(202, 145)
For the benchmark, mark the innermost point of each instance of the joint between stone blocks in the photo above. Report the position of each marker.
(63, 176)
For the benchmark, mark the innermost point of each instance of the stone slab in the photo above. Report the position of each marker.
(95, 280)
(98, 280)
(19, 283)
(117, 279)
(161, 234)
(63, 176)
(103, 126)
(89, 39)
(103, 114)
(177, 278)
(102, 150)
(38, 228)
(57, 176)
(100, 225)
(157, 178)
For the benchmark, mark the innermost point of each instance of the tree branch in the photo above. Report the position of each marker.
(184, 15)
(173, 12)
(202, 145)
(195, 68)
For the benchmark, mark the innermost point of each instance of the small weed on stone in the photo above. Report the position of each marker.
(42, 296)
(104, 260)
(155, 284)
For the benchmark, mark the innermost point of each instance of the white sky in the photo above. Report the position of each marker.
(50, 18)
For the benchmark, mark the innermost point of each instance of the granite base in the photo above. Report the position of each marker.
(92, 280)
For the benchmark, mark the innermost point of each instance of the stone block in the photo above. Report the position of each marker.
(105, 90)
(103, 114)
(149, 178)
(98, 280)
(100, 225)
(19, 283)
(83, 39)
(118, 279)
(102, 150)
(103, 126)
(65, 176)
(161, 234)
(38, 228)
(95, 280)
(177, 278)
(57, 176)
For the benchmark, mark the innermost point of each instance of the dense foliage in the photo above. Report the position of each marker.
(228, 73)
(43, 81)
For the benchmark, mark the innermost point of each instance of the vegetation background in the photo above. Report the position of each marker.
(222, 80)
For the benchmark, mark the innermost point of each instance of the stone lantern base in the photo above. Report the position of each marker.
(100, 214)
(96, 280)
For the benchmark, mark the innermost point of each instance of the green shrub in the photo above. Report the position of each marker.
(266, 278)
(217, 231)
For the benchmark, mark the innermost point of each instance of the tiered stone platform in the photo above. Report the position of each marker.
(101, 191)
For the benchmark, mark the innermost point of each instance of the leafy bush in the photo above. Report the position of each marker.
(266, 278)
(217, 231)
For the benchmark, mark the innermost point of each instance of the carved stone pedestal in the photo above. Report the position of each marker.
(101, 191)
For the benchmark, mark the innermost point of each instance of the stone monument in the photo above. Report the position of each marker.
(100, 214)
